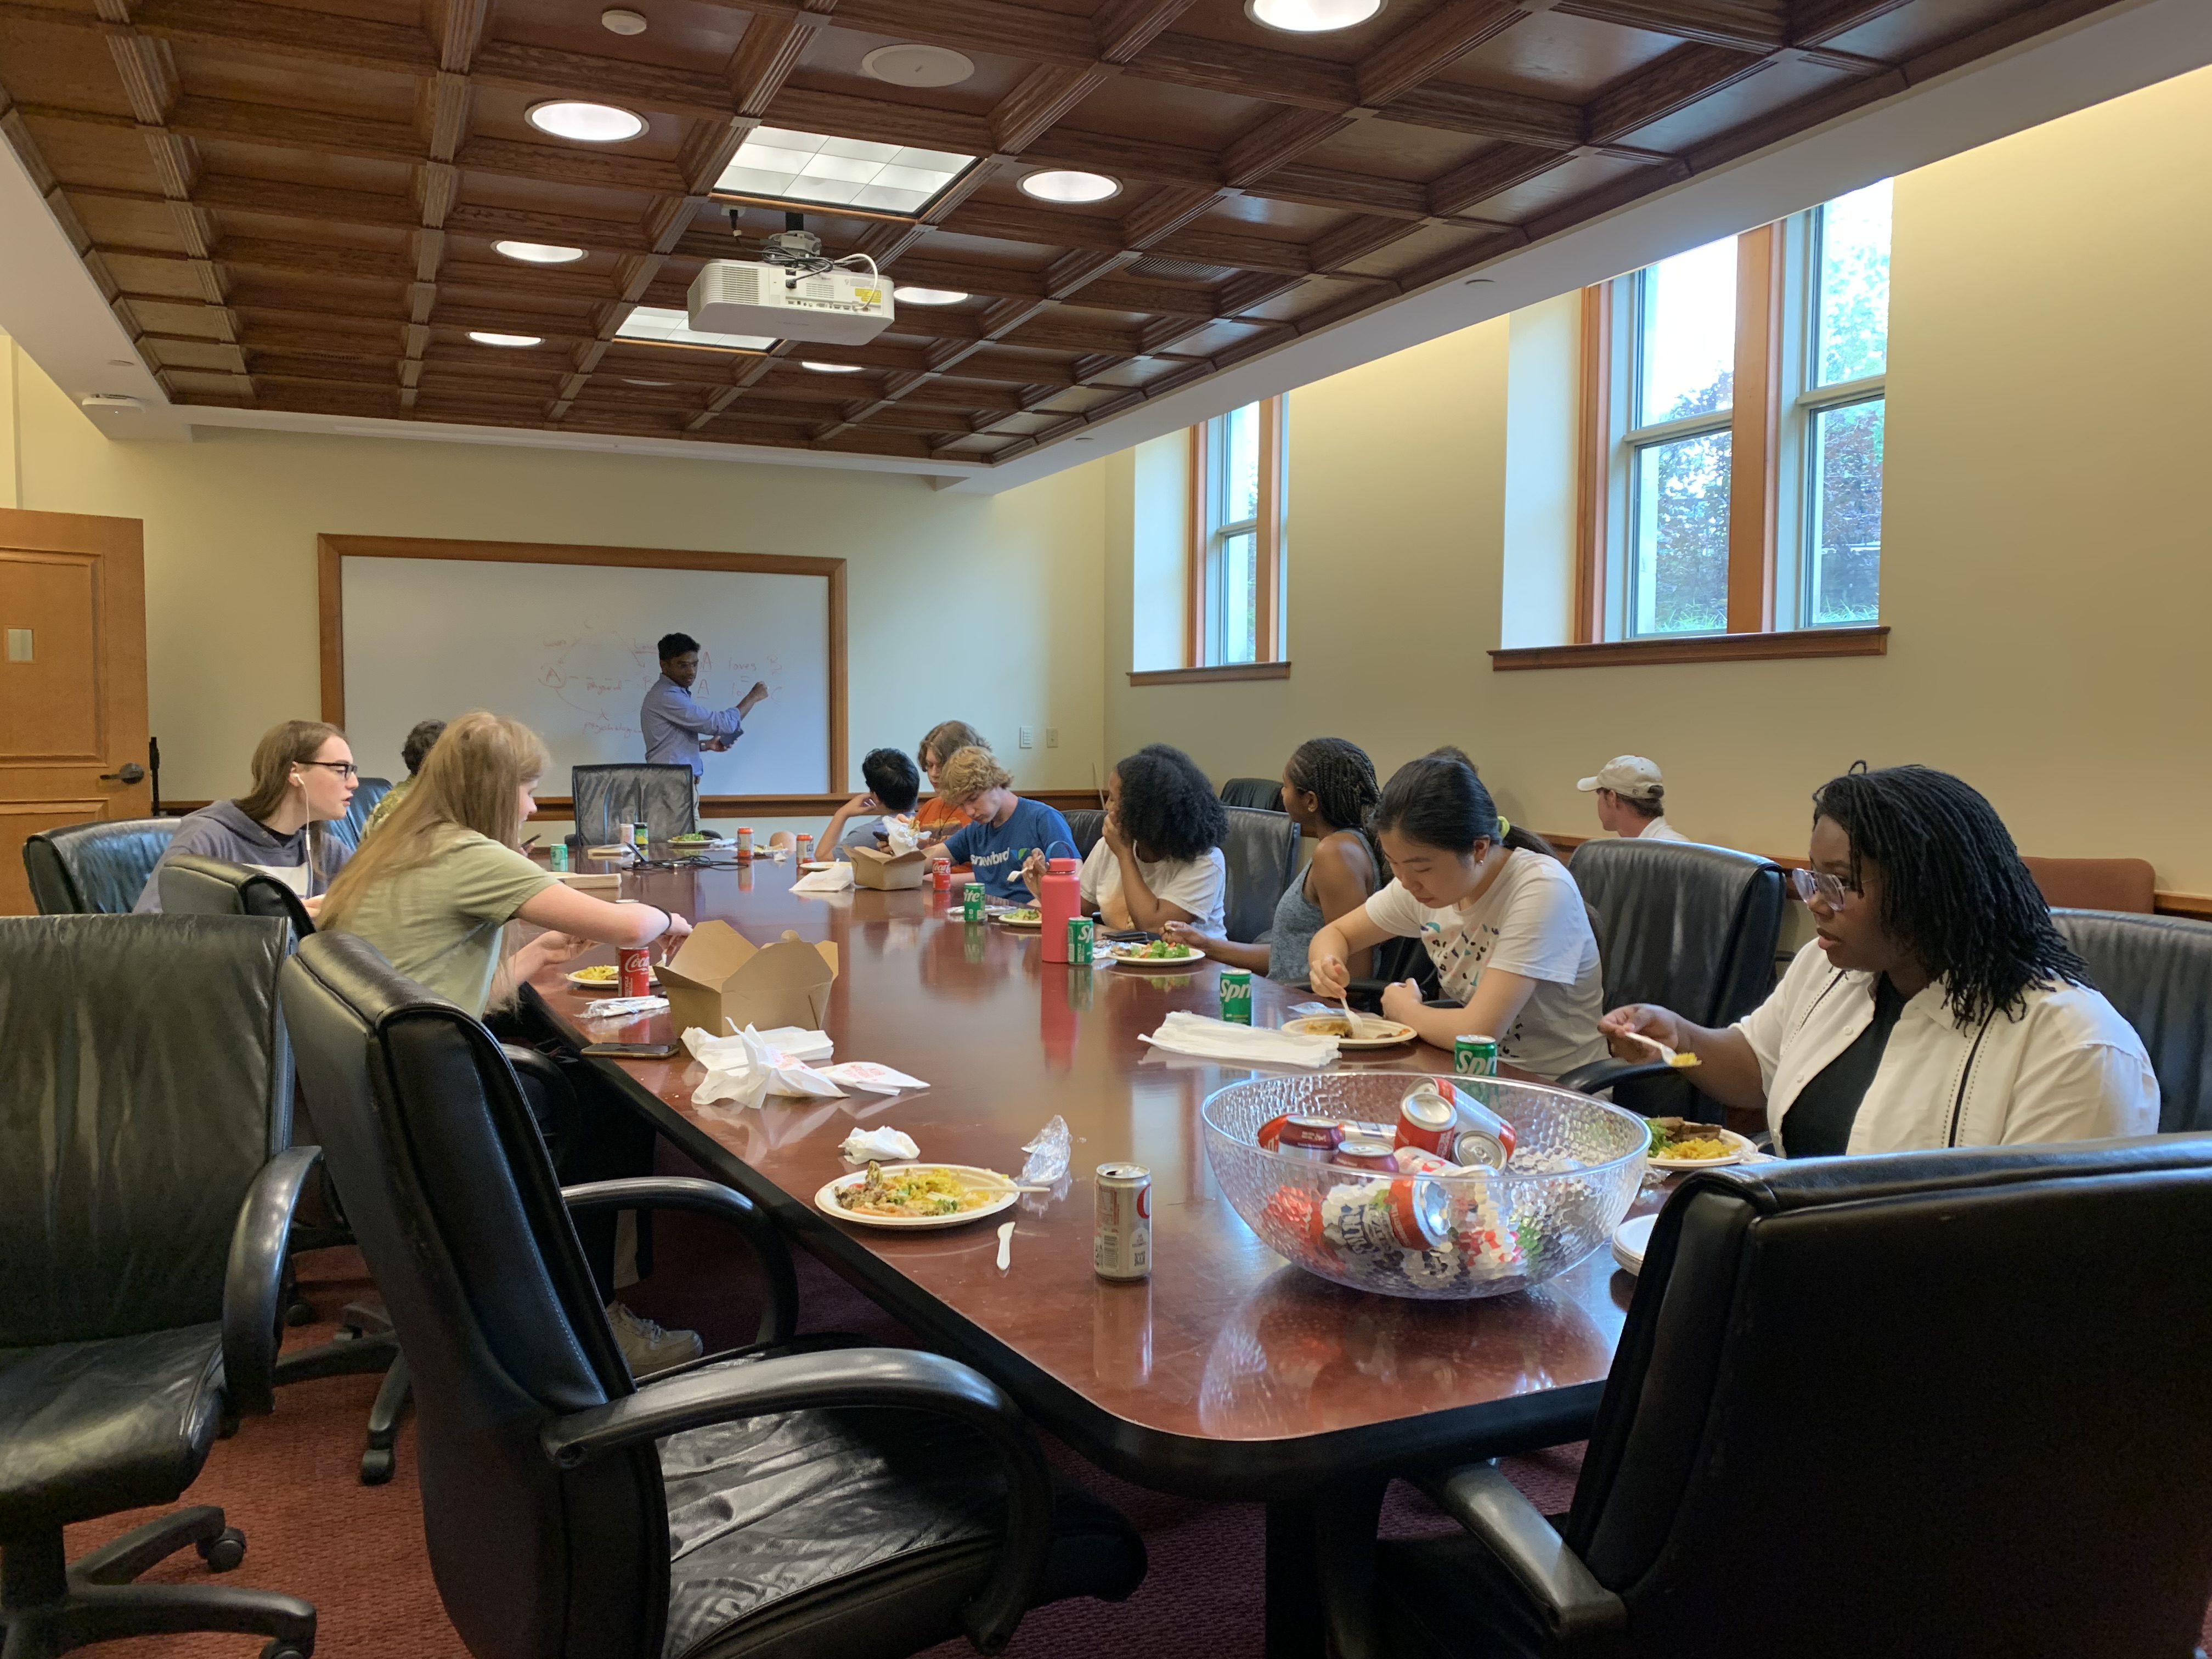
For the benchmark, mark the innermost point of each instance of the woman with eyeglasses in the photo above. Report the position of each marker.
(303, 778)
(1938, 1005)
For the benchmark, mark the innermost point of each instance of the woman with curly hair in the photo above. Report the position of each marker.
(1329, 790)
(1937, 1005)
(1158, 859)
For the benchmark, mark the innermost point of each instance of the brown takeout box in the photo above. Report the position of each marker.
(719, 974)
(872, 867)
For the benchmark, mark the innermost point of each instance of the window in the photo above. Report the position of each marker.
(1234, 613)
(1733, 414)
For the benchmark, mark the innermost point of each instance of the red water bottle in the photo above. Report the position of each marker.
(1060, 901)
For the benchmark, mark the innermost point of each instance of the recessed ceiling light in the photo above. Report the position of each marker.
(618, 20)
(1065, 185)
(589, 124)
(484, 337)
(665, 326)
(930, 296)
(538, 254)
(626, 380)
(1311, 16)
(831, 368)
(918, 66)
(814, 167)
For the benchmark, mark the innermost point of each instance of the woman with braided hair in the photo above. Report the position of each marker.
(1329, 789)
(1938, 1005)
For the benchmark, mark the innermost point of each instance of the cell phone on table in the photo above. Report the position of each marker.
(631, 1050)
(1132, 935)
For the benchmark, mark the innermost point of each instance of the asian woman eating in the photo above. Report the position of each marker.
(1329, 791)
(303, 778)
(1503, 921)
(1937, 1005)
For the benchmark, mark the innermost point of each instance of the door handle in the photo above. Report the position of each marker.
(129, 772)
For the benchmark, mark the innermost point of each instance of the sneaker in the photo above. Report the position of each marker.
(647, 1347)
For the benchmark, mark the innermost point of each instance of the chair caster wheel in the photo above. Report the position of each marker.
(281, 1650)
(300, 1312)
(376, 1465)
(224, 1550)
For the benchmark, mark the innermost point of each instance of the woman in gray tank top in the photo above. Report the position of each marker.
(1329, 789)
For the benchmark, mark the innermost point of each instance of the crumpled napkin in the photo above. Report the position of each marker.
(835, 879)
(885, 1146)
(749, 1067)
(901, 835)
(623, 1007)
(872, 1078)
(1220, 1040)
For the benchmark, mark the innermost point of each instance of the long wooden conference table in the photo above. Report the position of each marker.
(1229, 1374)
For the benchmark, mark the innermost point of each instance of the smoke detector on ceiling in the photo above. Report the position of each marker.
(107, 400)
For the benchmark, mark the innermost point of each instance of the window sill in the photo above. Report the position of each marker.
(1237, 671)
(1712, 647)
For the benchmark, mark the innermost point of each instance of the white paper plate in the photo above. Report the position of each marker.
(1740, 1149)
(817, 864)
(1008, 919)
(1630, 1240)
(610, 987)
(826, 1199)
(1405, 1034)
(1152, 965)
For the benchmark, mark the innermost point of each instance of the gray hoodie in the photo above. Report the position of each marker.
(220, 830)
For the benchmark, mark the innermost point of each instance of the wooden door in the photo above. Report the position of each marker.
(72, 680)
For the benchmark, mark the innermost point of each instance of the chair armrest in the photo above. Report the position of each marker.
(1604, 1073)
(780, 1309)
(895, 1377)
(1583, 1614)
(253, 1286)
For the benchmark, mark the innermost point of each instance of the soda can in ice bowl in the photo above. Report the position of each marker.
(1453, 1231)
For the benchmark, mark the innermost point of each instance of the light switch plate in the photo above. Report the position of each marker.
(1051, 736)
(19, 645)
(1029, 737)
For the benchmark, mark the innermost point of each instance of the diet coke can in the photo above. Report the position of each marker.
(1121, 1248)
(1303, 1135)
(637, 973)
(1365, 1153)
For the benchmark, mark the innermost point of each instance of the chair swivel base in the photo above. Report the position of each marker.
(50, 1606)
(367, 1345)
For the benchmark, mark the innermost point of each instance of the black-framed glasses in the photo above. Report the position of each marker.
(343, 769)
(1832, 891)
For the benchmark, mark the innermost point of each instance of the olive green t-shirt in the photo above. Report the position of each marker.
(440, 923)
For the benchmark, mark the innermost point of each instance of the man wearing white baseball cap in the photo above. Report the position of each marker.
(1629, 791)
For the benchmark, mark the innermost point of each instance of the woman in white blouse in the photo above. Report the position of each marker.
(1938, 1005)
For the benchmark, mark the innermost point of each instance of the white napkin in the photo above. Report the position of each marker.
(1240, 1045)
(835, 879)
(623, 1007)
(872, 1078)
(901, 835)
(795, 1042)
(753, 1069)
(885, 1146)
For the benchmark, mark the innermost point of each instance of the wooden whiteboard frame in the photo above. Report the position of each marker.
(330, 592)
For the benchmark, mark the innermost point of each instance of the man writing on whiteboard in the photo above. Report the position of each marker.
(676, 728)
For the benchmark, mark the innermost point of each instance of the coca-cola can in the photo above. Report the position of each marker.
(636, 972)
(1365, 1153)
(1303, 1135)
(1121, 1246)
(1427, 1119)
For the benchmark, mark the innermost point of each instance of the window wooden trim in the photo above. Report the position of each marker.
(1278, 669)
(1269, 643)
(1868, 641)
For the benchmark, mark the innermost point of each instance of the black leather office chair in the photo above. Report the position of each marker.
(666, 798)
(1261, 851)
(367, 792)
(145, 1095)
(195, 885)
(1265, 793)
(2157, 971)
(1086, 825)
(1687, 925)
(766, 1505)
(94, 869)
(1933, 1403)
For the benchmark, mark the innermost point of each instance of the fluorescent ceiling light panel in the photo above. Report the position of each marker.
(662, 326)
(811, 166)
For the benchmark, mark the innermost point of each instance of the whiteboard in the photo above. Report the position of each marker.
(569, 650)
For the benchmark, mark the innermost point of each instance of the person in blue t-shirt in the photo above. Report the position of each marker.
(1002, 828)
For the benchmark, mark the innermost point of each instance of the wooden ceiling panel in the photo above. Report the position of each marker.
(293, 205)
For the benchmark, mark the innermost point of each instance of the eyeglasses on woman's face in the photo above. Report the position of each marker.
(1832, 891)
(345, 769)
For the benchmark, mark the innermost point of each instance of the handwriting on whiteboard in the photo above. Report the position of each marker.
(602, 674)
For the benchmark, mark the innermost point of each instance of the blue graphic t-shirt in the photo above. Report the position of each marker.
(998, 850)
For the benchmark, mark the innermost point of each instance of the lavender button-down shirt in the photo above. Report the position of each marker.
(674, 722)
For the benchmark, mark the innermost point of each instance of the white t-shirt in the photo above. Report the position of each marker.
(1660, 829)
(1531, 922)
(1195, 885)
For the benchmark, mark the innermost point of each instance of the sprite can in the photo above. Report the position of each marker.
(1237, 995)
(1078, 941)
(1475, 1056)
(971, 902)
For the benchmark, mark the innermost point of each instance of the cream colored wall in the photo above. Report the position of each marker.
(2047, 567)
(971, 607)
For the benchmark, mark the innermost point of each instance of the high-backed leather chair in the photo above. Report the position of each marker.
(666, 798)
(1265, 793)
(193, 884)
(2096, 884)
(367, 791)
(1933, 1403)
(1261, 851)
(762, 1505)
(2157, 971)
(94, 869)
(145, 1095)
(1679, 923)
(1086, 825)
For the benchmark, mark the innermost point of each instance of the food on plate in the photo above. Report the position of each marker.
(918, 1190)
(1159, 950)
(1319, 1026)
(1675, 1138)
(693, 839)
(1021, 916)
(605, 973)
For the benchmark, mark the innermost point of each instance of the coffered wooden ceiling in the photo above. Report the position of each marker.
(292, 207)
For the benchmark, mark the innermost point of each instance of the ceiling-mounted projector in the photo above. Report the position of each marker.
(793, 293)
